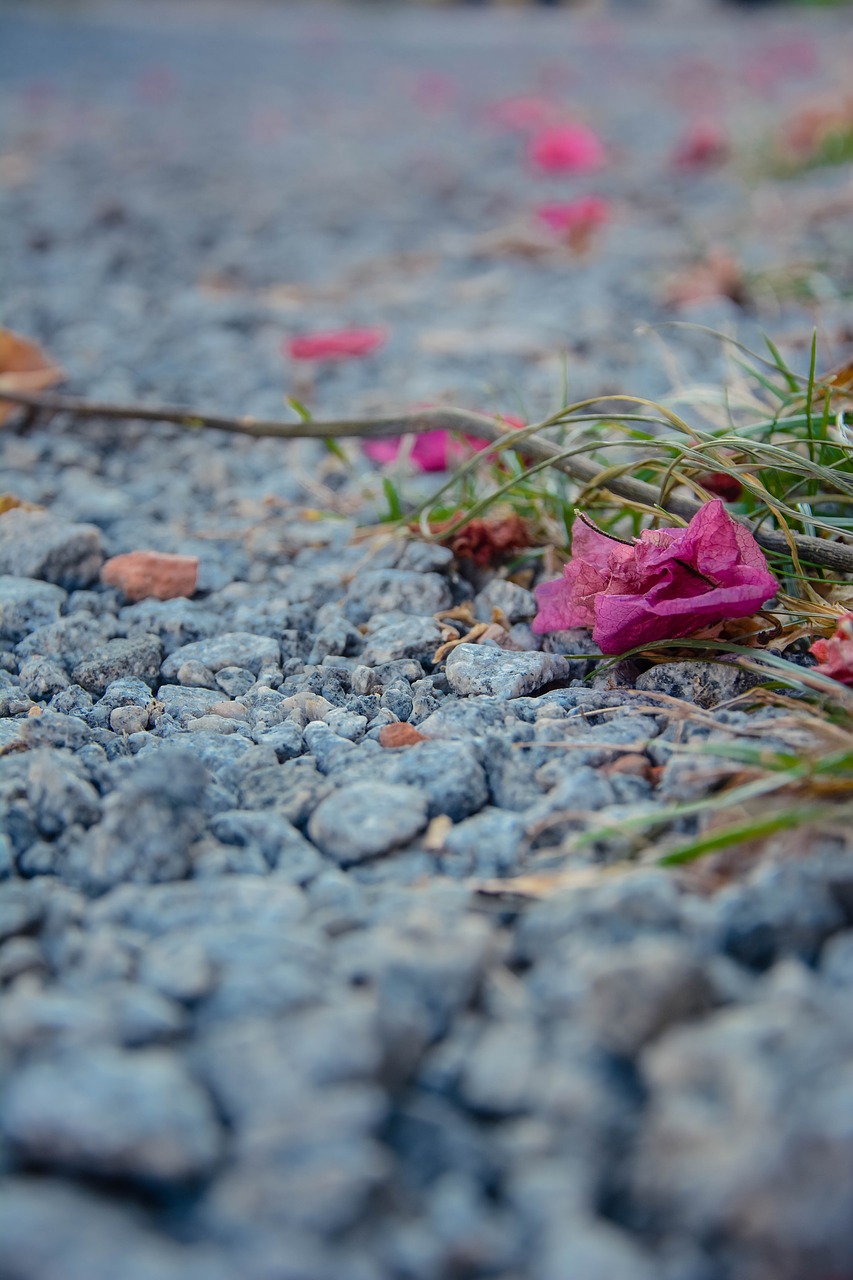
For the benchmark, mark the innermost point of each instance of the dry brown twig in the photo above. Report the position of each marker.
(837, 556)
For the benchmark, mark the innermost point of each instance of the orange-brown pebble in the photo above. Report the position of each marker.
(143, 574)
(399, 735)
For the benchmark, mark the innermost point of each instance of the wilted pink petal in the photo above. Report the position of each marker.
(722, 485)
(335, 344)
(568, 148)
(705, 143)
(835, 655)
(566, 216)
(433, 450)
(667, 584)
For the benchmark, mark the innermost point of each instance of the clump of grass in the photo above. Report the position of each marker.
(779, 442)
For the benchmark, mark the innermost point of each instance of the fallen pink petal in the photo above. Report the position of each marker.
(668, 584)
(336, 344)
(705, 143)
(835, 655)
(568, 216)
(569, 148)
(433, 450)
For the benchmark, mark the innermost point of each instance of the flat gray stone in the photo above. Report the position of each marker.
(414, 637)
(232, 649)
(364, 821)
(27, 603)
(481, 669)
(382, 590)
(36, 544)
(113, 1113)
(119, 659)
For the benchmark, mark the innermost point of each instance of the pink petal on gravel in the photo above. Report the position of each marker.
(335, 344)
(569, 148)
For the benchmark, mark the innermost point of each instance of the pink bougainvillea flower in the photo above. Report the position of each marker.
(705, 143)
(567, 216)
(567, 148)
(335, 344)
(433, 450)
(667, 584)
(835, 655)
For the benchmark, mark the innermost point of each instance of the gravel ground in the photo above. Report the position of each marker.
(258, 1020)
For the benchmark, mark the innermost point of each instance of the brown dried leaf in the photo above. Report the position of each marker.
(23, 367)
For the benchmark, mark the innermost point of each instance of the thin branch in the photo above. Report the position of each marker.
(837, 556)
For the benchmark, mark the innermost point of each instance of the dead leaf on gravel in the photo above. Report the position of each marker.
(8, 502)
(23, 367)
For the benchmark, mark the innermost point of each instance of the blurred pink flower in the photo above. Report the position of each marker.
(667, 584)
(567, 148)
(433, 450)
(835, 655)
(705, 143)
(574, 215)
(335, 344)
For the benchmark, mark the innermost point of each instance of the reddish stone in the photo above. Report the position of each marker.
(143, 574)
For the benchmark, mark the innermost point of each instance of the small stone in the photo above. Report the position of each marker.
(234, 681)
(36, 544)
(414, 637)
(27, 603)
(346, 724)
(195, 674)
(449, 773)
(399, 735)
(113, 1114)
(383, 590)
(119, 658)
(142, 574)
(481, 669)
(231, 649)
(363, 821)
(704, 683)
(42, 678)
(513, 601)
(129, 719)
(285, 739)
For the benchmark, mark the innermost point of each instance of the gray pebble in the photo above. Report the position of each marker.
(231, 649)
(27, 603)
(414, 637)
(36, 544)
(118, 659)
(383, 590)
(474, 669)
(114, 1114)
(364, 821)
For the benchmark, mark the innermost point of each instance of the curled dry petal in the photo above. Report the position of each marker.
(669, 583)
(24, 367)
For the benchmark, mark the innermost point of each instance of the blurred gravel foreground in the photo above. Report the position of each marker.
(260, 1017)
